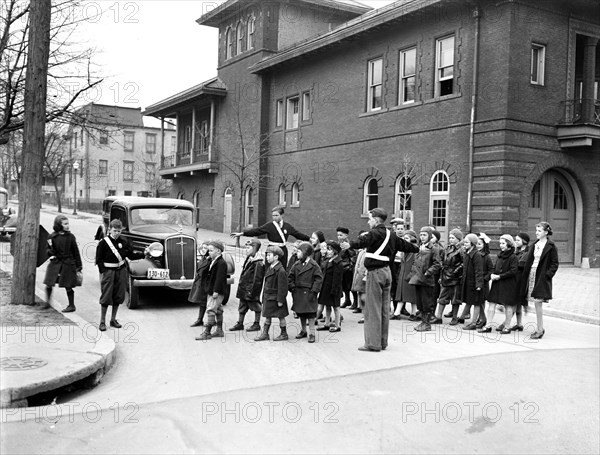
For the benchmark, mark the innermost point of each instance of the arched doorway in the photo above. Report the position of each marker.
(227, 211)
(552, 199)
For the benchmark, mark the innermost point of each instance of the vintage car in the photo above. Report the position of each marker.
(8, 217)
(169, 228)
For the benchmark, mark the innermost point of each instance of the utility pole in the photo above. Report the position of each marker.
(30, 200)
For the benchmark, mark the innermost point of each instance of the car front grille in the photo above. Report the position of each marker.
(180, 255)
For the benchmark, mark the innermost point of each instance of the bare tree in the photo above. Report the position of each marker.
(36, 83)
(70, 69)
(56, 158)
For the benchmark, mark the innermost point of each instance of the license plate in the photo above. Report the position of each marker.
(158, 274)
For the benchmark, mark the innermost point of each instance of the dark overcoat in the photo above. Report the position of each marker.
(521, 258)
(304, 282)
(275, 290)
(488, 268)
(452, 264)
(426, 266)
(63, 268)
(545, 271)
(472, 278)
(331, 290)
(198, 291)
(216, 279)
(406, 292)
(503, 291)
(251, 278)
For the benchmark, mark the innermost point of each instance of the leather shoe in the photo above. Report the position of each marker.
(357, 310)
(311, 338)
(114, 323)
(537, 335)
(368, 349)
(361, 321)
(470, 326)
(413, 317)
(454, 321)
(301, 334)
(197, 323)
(403, 312)
(102, 327)
(500, 328)
(394, 317)
(435, 320)
(323, 328)
(517, 328)
(484, 330)
(238, 326)
(69, 309)
(448, 314)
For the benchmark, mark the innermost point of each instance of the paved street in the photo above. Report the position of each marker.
(446, 391)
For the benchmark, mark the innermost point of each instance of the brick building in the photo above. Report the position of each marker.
(477, 115)
(117, 154)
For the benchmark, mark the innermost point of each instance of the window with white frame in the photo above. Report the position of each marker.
(128, 171)
(403, 200)
(150, 143)
(538, 63)
(229, 43)
(240, 38)
(103, 167)
(439, 196)
(249, 206)
(444, 64)
(251, 30)
(282, 195)
(375, 83)
(371, 194)
(128, 141)
(408, 64)
(306, 106)
(188, 139)
(293, 107)
(173, 144)
(295, 195)
(279, 113)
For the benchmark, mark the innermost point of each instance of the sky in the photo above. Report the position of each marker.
(149, 50)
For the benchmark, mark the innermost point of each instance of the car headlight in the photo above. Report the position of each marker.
(156, 249)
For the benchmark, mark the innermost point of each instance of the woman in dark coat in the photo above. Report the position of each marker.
(304, 282)
(521, 250)
(198, 293)
(406, 292)
(472, 279)
(504, 282)
(540, 267)
(65, 261)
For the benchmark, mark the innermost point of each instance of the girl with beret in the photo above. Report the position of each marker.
(504, 281)
(304, 282)
(540, 267)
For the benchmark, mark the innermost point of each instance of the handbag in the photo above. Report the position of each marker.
(79, 276)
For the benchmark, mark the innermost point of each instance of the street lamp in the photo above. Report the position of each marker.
(75, 168)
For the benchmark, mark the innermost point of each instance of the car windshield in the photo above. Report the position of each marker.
(161, 215)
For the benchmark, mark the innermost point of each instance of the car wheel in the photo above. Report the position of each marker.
(134, 295)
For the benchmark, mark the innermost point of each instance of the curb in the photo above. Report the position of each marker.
(571, 316)
(104, 348)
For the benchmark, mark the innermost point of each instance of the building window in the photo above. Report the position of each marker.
(127, 193)
(251, 29)
(408, 63)
(103, 167)
(249, 206)
(150, 143)
(150, 172)
(371, 194)
(403, 200)
(188, 139)
(103, 137)
(535, 197)
(306, 106)
(128, 171)
(282, 195)
(173, 144)
(444, 77)
(229, 43)
(112, 192)
(560, 197)
(239, 31)
(128, 141)
(295, 195)
(439, 193)
(279, 113)
(375, 81)
(293, 105)
(202, 138)
(538, 63)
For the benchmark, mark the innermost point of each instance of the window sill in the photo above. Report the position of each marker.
(537, 85)
(442, 98)
(295, 206)
(371, 113)
(406, 106)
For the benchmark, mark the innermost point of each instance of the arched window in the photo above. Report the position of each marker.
(239, 31)
(229, 43)
(282, 195)
(535, 197)
(439, 196)
(295, 195)
(371, 194)
(403, 200)
(249, 206)
(250, 30)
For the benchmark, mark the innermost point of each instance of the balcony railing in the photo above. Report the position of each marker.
(198, 156)
(574, 111)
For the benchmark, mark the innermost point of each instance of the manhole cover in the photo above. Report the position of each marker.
(21, 363)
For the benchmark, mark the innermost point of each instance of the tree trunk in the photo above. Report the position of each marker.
(26, 241)
(58, 201)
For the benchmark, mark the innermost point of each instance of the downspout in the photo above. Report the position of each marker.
(476, 15)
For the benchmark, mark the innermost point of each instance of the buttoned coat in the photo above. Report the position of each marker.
(67, 261)
(503, 290)
(426, 265)
(472, 278)
(198, 291)
(251, 278)
(275, 290)
(304, 282)
(544, 272)
(331, 290)
(452, 264)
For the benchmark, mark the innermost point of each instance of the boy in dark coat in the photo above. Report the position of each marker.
(450, 277)
(110, 259)
(216, 283)
(348, 258)
(331, 290)
(472, 279)
(65, 261)
(250, 286)
(304, 282)
(274, 295)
